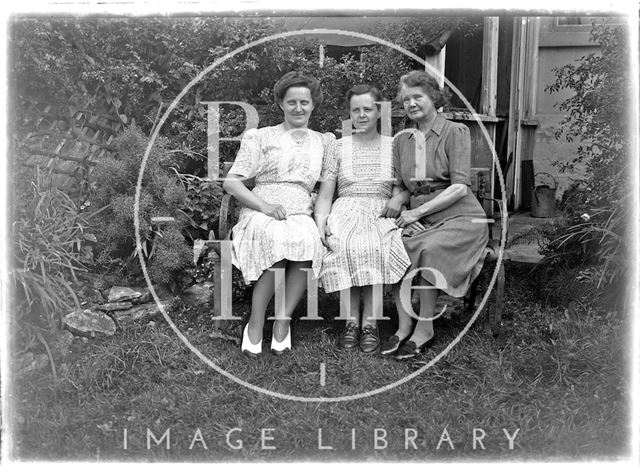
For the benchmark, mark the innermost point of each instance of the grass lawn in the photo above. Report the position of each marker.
(560, 379)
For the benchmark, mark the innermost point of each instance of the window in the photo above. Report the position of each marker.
(582, 23)
(572, 20)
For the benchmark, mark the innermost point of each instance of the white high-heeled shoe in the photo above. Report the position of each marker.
(279, 347)
(248, 348)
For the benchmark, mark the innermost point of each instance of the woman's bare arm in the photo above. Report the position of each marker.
(322, 207)
(233, 185)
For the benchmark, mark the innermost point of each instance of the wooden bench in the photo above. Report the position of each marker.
(212, 247)
(481, 187)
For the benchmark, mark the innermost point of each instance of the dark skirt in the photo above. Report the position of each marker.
(448, 246)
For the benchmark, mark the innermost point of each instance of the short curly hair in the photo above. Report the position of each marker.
(439, 95)
(360, 89)
(297, 79)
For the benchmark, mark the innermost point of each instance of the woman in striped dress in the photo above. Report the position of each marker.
(364, 246)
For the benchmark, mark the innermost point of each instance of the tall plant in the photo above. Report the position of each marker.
(597, 114)
(598, 206)
(50, 236)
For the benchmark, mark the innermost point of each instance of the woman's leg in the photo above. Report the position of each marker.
(404, 317)
(368, 312)
(354, 303)
(262, 293)
(370, 339)
(295, 285)
(424, 328)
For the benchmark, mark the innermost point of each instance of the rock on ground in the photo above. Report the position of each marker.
(118, 306)
(89, 323)
(145, 311)
(145, 296)
(122, 293)
(90, 295)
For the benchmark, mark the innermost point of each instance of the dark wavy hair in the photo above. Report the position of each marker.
(439, 95)
(360, 89)
(297, 79)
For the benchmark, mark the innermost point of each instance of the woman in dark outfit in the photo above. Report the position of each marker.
(445, 226)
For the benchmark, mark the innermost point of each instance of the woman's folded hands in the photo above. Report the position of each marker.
(393, 208)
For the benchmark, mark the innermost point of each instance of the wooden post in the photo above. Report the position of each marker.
(526, 97)
(515, 106)
(530, 96)
(437, 61)
(489, 91)
(488, 95)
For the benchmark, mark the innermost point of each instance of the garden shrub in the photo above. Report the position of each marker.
(113, 184)
(87, 62)
(593, 238)
(596, 114)
(201, 206)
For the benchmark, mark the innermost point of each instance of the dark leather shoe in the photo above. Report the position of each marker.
(350, 336)
(369, 339)
(410, 350)
(390, 346)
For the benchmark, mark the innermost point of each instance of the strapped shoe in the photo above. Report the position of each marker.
(350, 336)
(279, 347)
(390, 346)
(369, 339)
(248, 348)
(410, 350)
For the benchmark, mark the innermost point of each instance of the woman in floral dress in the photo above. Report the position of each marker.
(275, 238)
(364, 247)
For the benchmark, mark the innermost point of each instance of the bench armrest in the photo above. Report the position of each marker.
(227, 215)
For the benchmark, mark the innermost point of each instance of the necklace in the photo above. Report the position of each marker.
(298, 141)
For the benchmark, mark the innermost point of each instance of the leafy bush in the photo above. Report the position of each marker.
(113, 183)
(594, 236)
(87, 62)
(202, 205)
(51, 240)
(596, 115)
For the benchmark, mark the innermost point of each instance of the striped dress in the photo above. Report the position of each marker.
(365, 248)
